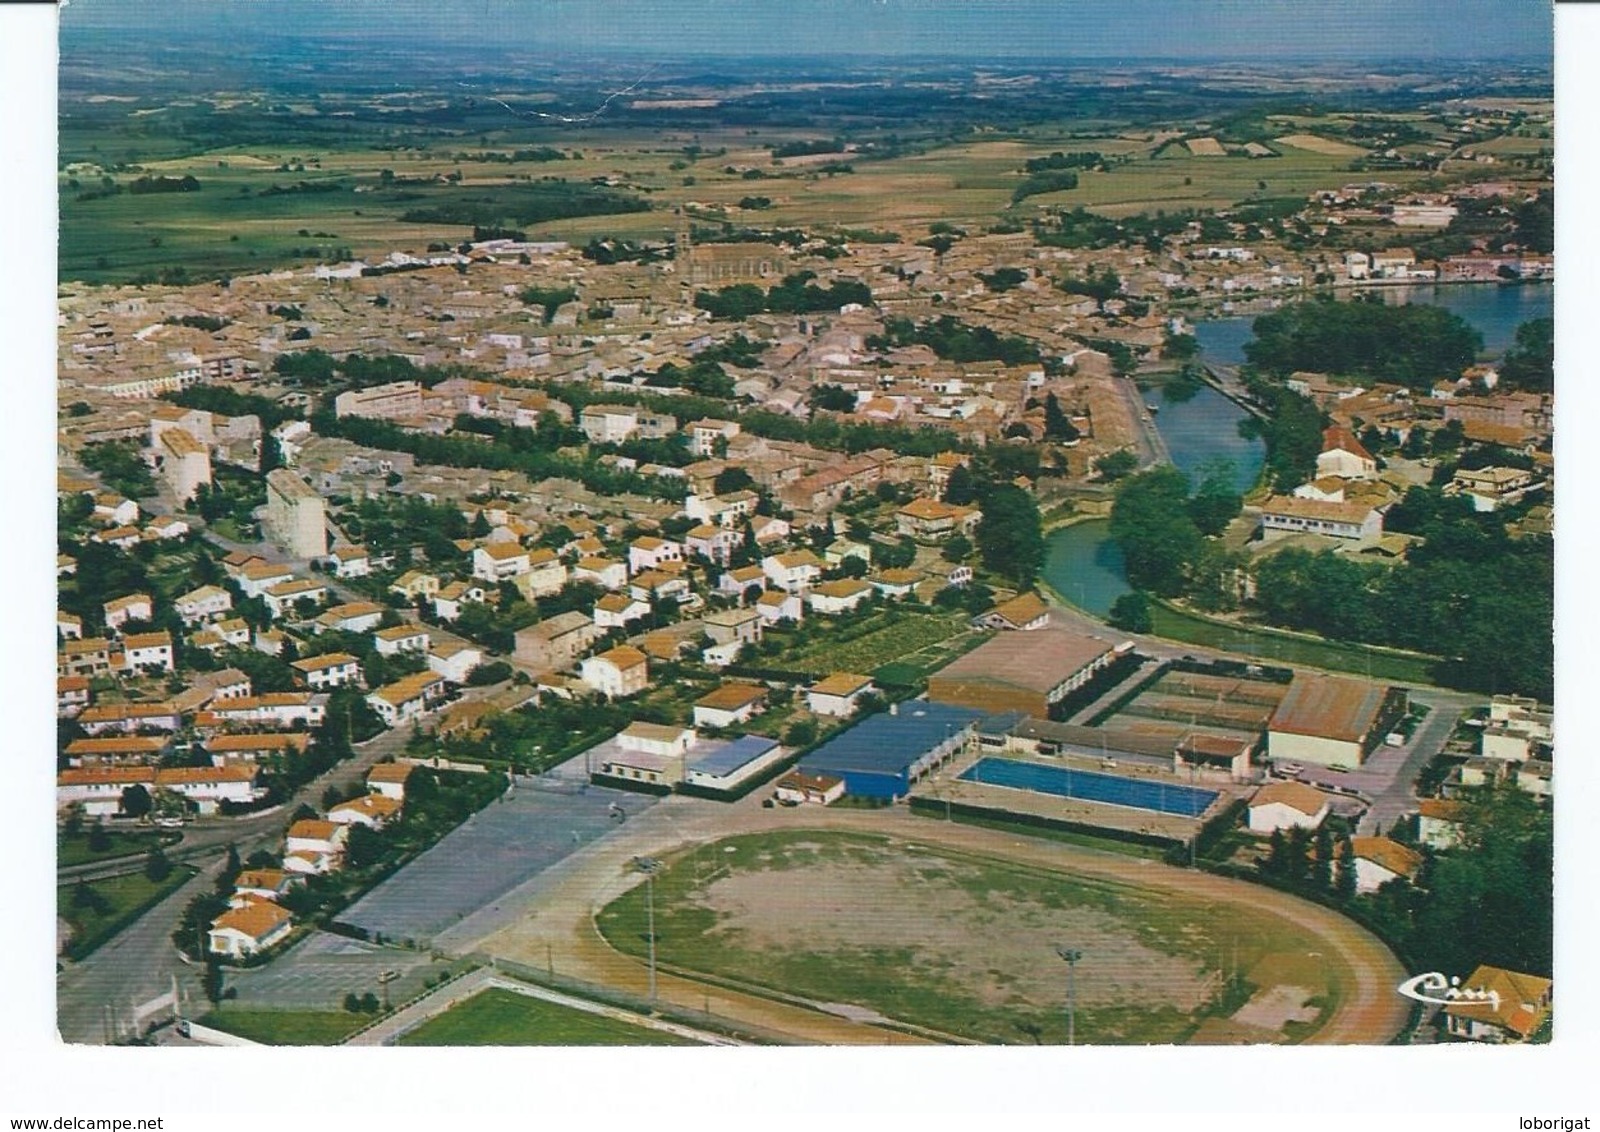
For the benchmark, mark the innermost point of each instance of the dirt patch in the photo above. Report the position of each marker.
(997, 946)
(1276, 1007)
(1313, 144)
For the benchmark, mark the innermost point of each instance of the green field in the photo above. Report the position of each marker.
(964, 945)
(118, 902)
(499, 1017)
(286, 1027)
(76, 851)
(1270, 647)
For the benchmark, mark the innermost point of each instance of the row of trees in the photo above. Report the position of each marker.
(797, 294)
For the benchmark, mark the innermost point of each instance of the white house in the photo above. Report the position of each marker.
(546, 574)
(371, 810)
(134, 607)
(607, 573)
(499, 561)
(1285, 515)
(1380, 860)
(330, 670)
(401, 639)
(713, 542)
(407, 698)
(615, 611)
(775, 606)
(730, 704)
(1439, 823)
(1287, 805)
(1344, 456)
(352, 617)
(285, 597)
(795, 572)
(817, 789)
(309, 835)
(649, 553)
(273, 709)
(841, 596)
(454, 661)
(1499, 1006)
(205, 603)
(241, 932)
(351, 562)
(448, 602)
(838, 694)
(389, 779)
(147, 651)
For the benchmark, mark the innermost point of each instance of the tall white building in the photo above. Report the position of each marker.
(294, 517)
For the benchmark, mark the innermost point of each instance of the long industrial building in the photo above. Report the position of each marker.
(1332, 720)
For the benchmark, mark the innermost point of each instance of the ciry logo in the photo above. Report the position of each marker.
(1441, 990)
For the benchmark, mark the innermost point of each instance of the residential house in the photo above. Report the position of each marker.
(799, 788)
(451, 598)
(618, 672)
(147, 652)
(650, 553)
(454, 661)
(69, 626)
(134, 607)
(352, 617)
(730, 704)
(351, 561)
(1285, 515)
(615, 611)
(841, 596)
(706, 432)
(739, 582)
(794, 572)
(733, 626)
(371, 810)
(401, 639)
(407, 698)
(329, 670)
(227, 750)
(416, 583)
(256, 578)
(204, 603)
(88, 656)
(776, 605)
(290, 597)
(1287, 805)
(1344, 456)
(314, 846)
(72, 694)
(839, 694)
(1380, 860)
(556, 642)
(1439, 823)
(1498, 1006)
(545, 576)
(713, 542)
(254, 885)
(242, 932)
(389, 779)
(125, 719)
(273, 709)
(1025, 612)
(932, 520)
(499, 561)
(607, 573)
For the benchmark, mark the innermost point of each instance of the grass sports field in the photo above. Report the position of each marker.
(965, 945)
(504, 1018)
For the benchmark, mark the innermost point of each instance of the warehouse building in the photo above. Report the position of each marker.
(884, 754)
(732, 764)
(1026, 672)
(1332, 720)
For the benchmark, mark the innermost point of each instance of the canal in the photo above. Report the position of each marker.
(1084, 565)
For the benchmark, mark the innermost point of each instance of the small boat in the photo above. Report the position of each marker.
(1152, 408)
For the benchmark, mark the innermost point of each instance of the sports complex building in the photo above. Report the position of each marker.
(1026, 672)
(884, 754)
(1333, 720)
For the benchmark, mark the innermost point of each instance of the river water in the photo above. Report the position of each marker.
(1084, 565)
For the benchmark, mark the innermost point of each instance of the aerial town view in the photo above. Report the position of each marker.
(699, 533)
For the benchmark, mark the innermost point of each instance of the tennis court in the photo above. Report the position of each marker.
(1108, 789)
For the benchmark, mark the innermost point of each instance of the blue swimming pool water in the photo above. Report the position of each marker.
(1162, 798)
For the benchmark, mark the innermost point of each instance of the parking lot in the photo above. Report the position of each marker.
(317, 973)
(527, 830)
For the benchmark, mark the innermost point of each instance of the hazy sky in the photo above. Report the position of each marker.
(1066, 29)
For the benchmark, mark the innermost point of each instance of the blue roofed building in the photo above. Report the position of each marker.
(733, 763)
(881, 756)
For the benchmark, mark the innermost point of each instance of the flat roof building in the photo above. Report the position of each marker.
(884, 754)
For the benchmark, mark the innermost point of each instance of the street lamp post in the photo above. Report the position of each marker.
(1071, 955)
(649, 866)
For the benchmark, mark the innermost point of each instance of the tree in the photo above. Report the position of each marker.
(136, 801)
(731, 479)
(1151, 523)
(99, 839)
(352, 1003)
(369, 1003)
(1057, 426)
(1010, 536)
(960, 489)
(156, 866)
(213, 980)
(1131, 612)
(956, 548)
(364, 847)
(1115, 465)
(1215, 504)
(1530, 363)
(1322, 864)
(800, 733)
(1344, 883)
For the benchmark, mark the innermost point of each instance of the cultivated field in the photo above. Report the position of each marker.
(965, 945)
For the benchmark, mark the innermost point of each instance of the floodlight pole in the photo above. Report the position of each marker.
(1071, 955)
(649, 866)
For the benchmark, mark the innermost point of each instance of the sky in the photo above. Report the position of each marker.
(1065, 29)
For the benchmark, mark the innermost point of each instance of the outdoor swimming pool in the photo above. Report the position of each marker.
(1110, 789)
